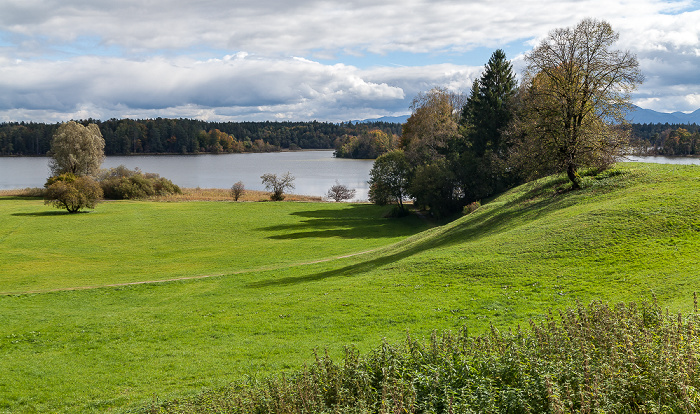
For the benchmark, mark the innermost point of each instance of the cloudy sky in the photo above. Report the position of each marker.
(303, 59)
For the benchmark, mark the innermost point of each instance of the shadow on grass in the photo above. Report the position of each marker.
(536, 202)
(48, 213)
(358, 221)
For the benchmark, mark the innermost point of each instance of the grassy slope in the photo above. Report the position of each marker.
(621, 238)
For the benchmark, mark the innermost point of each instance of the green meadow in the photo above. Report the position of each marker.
(266, 284)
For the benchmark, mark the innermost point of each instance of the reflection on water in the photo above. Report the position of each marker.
(315, 171)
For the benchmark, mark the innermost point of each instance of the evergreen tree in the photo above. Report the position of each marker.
(489, 107)
(480, 152)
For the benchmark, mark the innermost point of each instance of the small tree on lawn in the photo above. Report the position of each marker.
(237, 190)
(72, 193)
(340, 192)
(278, 185)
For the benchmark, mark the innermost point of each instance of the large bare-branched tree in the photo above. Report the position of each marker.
(576, 91)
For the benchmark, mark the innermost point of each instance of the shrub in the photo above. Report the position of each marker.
(596, 358)
(237, 190)
(121, 183)
(340, 192)
(278, 185)
(471, 207)
(71, 192)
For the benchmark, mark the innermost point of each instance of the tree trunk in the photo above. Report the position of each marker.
(573, 176)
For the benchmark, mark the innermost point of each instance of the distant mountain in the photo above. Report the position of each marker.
(395, 119)
(636, 116)
(647, 116)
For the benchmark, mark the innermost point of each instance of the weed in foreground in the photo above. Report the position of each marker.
(625, 359)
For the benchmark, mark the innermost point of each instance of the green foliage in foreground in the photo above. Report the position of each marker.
(625, 359)
(282, 288)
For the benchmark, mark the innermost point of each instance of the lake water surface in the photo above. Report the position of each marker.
(314, 171)
(665, 160)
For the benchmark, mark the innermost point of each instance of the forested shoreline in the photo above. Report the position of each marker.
(666, 139)
(189, 136)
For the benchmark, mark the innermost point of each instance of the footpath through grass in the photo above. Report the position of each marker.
(123, 242)
(629, 233)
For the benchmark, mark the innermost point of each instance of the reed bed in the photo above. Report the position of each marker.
(221, 194)
(188, 194)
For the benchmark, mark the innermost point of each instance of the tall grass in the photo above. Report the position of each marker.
(624, 359)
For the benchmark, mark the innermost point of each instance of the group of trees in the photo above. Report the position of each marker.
(367, 145)
(77, 182)
(565, 115)
(189, 136)
(77, 152)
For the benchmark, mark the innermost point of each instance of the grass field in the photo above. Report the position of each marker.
(630, 233)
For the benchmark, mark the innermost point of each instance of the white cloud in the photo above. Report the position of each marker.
(223, 59)
(90, 86)
(302, 26)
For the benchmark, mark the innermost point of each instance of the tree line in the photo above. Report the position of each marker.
(666, 139)
(190, 136)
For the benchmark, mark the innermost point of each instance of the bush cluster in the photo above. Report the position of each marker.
(121, 183)
(596, 358)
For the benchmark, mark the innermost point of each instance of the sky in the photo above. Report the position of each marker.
(301, 60)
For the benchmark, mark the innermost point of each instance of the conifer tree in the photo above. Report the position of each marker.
(488, 108)
(480, 153)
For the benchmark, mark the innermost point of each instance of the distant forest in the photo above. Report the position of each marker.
(666, 139)
(188, 136)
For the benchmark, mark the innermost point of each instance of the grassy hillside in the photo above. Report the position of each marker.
(629, 233)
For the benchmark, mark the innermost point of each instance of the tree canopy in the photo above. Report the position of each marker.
(481, 153)
(77, 149)
(576, 89)
(488, 109)
(389, 179)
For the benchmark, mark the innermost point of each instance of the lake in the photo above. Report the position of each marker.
(665, 160)
(315, 171)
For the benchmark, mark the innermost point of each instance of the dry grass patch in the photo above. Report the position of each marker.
(221, 194)
(188, 194)
(24, 192)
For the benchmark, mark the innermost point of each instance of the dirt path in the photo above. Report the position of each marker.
(176, 279)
